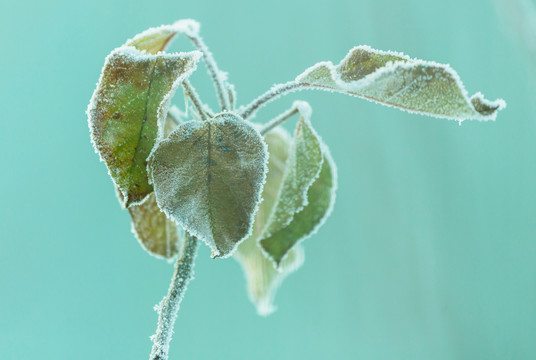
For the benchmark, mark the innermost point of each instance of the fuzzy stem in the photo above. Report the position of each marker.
(272, 94)
(281, 118)
(189, 90)
(169, 306)
(214, 72)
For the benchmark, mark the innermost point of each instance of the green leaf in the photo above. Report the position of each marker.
(321, 196)
(156, 233)
(302, 168)
(158, 39)
(127, 111)
(208, 177)
(394, 79)
(278, 142)
(262, 278)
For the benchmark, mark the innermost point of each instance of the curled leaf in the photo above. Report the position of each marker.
(393, 79)
(156, 233)
(302, 168)
(127, 111)
(262, 278)
(321, 197)
(208, 177)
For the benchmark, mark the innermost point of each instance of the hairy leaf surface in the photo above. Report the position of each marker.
(208, 176)
(394, 79)
(156, 233)
(127, 111)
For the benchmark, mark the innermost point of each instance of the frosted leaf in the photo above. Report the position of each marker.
(262, 278)
(128, 108)
(156, 233)
(321, 197)
(302, 168)
(394, 79)
(208, 177)
(158, 38)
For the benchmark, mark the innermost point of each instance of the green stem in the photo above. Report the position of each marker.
(169, 306)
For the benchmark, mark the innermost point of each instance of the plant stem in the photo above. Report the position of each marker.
(214, 72)
(272, 94)
(278, 120)
(169, 306)
(192, 95)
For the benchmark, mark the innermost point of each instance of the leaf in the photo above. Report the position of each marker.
(158, 39)
(156, 233)
(394, 79)
(127, 110)
(302, 168)
(321, 196)
(262, 278)
(208, 177)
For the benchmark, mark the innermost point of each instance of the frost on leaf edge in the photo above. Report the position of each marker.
(327, 157)
(215, 252)
(180, 237)
(188, 27)
(139, 55)
(305, 111)
(406, 62)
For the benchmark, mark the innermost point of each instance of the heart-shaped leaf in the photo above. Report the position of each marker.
(394, 79)
(208, 177)
(156, 233)
(302, 168)
(262, 278)
(127, 111)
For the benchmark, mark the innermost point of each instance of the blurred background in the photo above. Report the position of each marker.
(430, 251)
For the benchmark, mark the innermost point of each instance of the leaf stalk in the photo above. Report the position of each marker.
(170, 304)
(214, 71)
(189, 91)
(278, 120)
(270, 95)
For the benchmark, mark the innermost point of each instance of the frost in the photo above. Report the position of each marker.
(126, 112)
(393, 79)
(261, 276)
(169, 306)
(155, 232)
(302, 169)
(208, 177)
(306, 222)
(158, 38)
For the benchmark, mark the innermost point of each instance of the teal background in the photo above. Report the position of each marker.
(429, 253)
